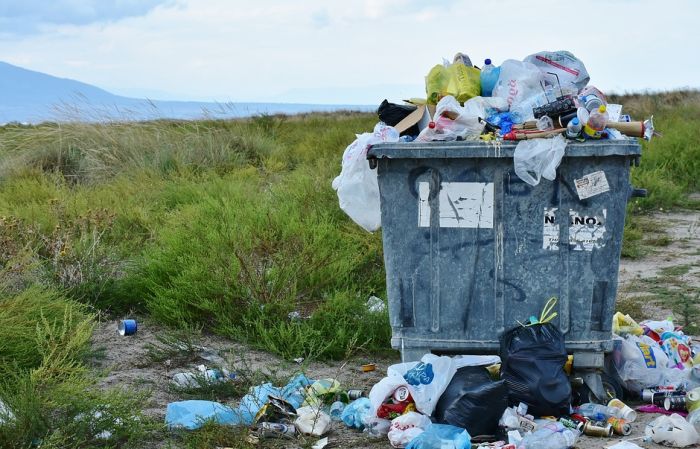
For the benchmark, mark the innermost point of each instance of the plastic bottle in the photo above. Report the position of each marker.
(573, 128)
(596, 123)
(599, 412)
(489, 77)
(550, 436)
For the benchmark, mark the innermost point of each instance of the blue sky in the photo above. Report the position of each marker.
(354, 51)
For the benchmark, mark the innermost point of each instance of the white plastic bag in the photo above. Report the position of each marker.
(517, 81)
(570, 70)
(641, 363)
(451, 122)
(538, 157)
(406, 427)
(672, 430)
(426, 381)
(312, 421)
(358, 191)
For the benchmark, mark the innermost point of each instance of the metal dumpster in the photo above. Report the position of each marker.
(470, 248)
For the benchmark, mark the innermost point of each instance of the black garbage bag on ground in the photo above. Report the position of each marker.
(473, 401)
(533, 359)
(392, 114)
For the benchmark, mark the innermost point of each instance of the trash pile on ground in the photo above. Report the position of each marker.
(542, 102)
(521, 399)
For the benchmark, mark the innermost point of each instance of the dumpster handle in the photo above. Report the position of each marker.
(638, 193)
(372, 162)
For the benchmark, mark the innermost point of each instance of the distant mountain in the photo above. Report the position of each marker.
(34, 97)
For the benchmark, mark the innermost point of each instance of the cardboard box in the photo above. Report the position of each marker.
(421, 116)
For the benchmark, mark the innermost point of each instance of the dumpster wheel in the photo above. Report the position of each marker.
(612, 387)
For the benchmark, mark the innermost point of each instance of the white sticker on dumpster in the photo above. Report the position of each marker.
(423, 205)
(466, 205)
(591, 185)
(586, 232)
(550, 229)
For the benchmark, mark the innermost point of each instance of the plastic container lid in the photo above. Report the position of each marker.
(487, 61)
(602, 108)
(575, 121)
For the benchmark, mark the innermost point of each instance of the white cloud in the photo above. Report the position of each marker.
(235, 50)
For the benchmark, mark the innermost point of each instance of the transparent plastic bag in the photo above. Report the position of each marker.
(569, 69)
(440, 436)
(537, 158)
(517, 81)
(406, 427)
(358, 190)
(672, 430)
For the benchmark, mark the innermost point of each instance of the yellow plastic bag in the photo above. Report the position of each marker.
(624, 324)
(464, 82)
(458, 80)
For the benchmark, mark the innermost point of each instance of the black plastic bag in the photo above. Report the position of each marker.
(392, 114)
(533, 359)
(473, 401)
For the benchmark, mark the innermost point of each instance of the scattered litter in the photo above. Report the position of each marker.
(366, 368)
(375, 305)
(6, 414)
(127, 327)
(312, 421)
(356, 413)
(192, 414)
(439, 436)
(673, 430)
(624, 445)
(406, 427)
(320, 444)
(202, 377)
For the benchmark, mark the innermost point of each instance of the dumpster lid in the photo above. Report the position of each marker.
(474, 149)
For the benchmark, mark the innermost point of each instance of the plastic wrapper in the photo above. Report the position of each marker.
(457, 80)
(672, 430)
(538, 158)
(358, 190)
(356, 413)
(570, 72)
(533, 368)
(441, 436)
(407, 427)
(312, 421)
(625, 324)
(640, 362)
(517, 82)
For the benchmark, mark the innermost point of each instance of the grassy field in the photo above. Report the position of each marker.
(230, 227)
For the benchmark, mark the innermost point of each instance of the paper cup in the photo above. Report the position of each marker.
(628, 414)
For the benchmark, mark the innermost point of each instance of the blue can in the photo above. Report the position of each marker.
(127, 327)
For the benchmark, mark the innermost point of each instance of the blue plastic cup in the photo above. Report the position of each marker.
(127, 327)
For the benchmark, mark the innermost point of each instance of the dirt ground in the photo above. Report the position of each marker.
(127, 362)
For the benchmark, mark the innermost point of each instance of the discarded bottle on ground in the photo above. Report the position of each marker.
(599, 412)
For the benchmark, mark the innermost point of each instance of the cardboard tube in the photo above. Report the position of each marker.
(632, 129)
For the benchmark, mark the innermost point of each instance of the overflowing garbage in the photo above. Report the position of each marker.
(520, 399)
(542, 102)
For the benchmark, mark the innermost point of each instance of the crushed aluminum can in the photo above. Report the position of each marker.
(401, 394)
(276, 430)
(620, 426)
(356, 394)
(597, 429)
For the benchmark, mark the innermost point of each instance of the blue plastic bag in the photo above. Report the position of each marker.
(438, 436)
(354, 414)
(192, 414)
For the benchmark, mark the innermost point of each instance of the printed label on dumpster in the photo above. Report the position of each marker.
(423, 205)
(586, 232)
(466, 205)
(591, 185)
(550, 229)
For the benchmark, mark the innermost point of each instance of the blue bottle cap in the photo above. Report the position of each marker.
(575, 121)
(487, 61)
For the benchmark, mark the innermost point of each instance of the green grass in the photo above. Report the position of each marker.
(222, 226)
